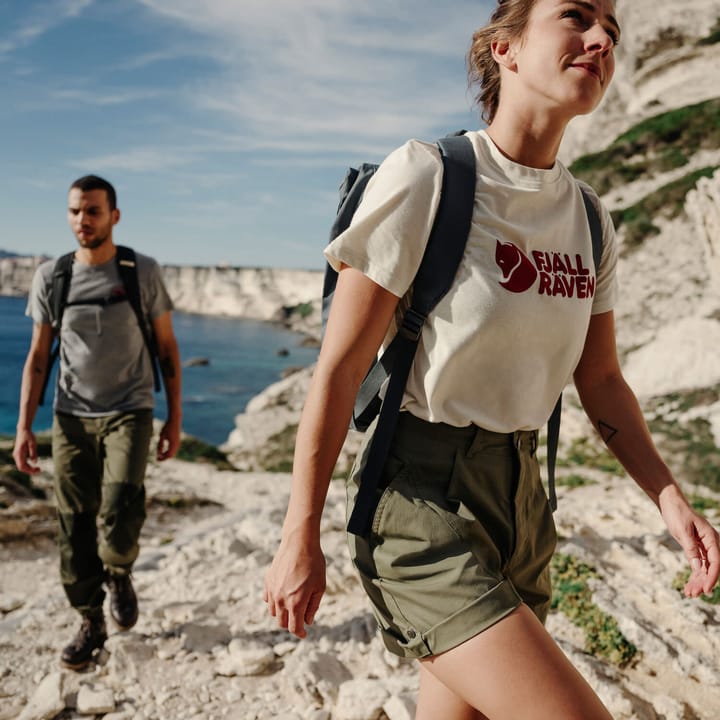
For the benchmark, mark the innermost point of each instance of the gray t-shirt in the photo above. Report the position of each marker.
(105, 367)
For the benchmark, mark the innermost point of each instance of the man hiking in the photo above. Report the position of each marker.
(110, 311)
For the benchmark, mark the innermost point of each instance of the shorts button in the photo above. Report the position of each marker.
(411, 634)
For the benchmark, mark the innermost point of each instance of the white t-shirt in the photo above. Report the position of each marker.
(498, 349)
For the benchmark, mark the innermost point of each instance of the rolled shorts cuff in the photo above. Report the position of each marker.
(462, 625)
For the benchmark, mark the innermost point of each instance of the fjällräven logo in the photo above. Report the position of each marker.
(559, 274)
(519, 273)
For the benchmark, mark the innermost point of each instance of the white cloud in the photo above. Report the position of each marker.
(118, 97)
(42, 18)
(328, 74)
(145, 160)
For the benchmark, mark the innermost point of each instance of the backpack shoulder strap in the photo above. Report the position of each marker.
(553, 436)
(127, 268)
(437, 270)
(434, 278)
(59, 289)
(61, 278)
(596, 230)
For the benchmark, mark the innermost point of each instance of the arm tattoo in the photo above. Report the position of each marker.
(607, 432)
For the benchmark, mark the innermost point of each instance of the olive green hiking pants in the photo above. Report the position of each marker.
(100, 494)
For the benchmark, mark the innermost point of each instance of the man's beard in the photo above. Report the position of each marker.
(94, 242)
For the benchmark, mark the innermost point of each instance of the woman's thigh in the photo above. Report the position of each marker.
(514, 670)
(436, 700)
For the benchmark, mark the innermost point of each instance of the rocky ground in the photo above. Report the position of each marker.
(204, 647)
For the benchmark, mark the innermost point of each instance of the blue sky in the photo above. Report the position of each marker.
(225, 125)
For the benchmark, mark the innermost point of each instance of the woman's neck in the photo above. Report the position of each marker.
(527, 141)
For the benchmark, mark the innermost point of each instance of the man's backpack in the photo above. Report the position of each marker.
(443, 253)
(127, 269)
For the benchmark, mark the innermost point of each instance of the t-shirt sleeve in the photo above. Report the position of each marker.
(155, 294)
(606, 289)
(390, 229)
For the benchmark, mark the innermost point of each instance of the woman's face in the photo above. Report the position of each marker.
(565, 60)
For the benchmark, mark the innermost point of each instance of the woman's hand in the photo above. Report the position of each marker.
(697, 537)
(295, 583)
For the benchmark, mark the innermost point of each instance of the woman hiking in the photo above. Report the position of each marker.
(456, 564)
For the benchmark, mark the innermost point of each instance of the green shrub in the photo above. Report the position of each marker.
(657, 144)
(587, 453)
(573, 481)
(572, 597)
(681, 579)
(713, 37)
(195, 450)
(703, 504)
(302, 309)
(277, 455)
(667, 201)
(688, 444)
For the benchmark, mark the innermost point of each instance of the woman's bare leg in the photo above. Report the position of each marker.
(515, 671)
(436, 700)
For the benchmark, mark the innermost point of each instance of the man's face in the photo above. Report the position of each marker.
(90, 217)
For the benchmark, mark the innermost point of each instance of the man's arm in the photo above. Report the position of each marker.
(169, 358)
(614, 411)
(33, 378)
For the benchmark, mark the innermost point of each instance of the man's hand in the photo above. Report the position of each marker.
(25, 452)
(169, 441)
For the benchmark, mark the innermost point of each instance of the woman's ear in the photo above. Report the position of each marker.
(503, 53)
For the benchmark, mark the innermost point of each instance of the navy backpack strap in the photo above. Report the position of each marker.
(127, 268)
(553, 440)
(436, 272)
(553, 436)
(59, 289)
(434, 278)
(596, 231)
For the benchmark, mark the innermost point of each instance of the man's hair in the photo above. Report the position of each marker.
(93, 182)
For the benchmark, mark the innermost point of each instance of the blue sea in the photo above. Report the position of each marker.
(244, 358)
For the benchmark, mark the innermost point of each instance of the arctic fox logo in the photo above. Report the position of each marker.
(518, 271)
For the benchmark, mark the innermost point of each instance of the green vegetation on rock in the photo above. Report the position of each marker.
(681, 579)
(667, 201)
(277, 456)
(194, 450)
(703, 504)
(660, 143)
(304, 310)
(714, 35)
(687, 442)
(573, 481)
(572, 597)
(587, 452)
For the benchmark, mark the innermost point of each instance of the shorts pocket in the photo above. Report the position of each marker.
(483, 488)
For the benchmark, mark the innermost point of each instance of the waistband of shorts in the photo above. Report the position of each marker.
(463, 437)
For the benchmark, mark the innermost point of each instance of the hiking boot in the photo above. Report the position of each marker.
(90, 637)
(123, 601)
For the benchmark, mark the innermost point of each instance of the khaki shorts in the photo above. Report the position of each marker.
(463, 533)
